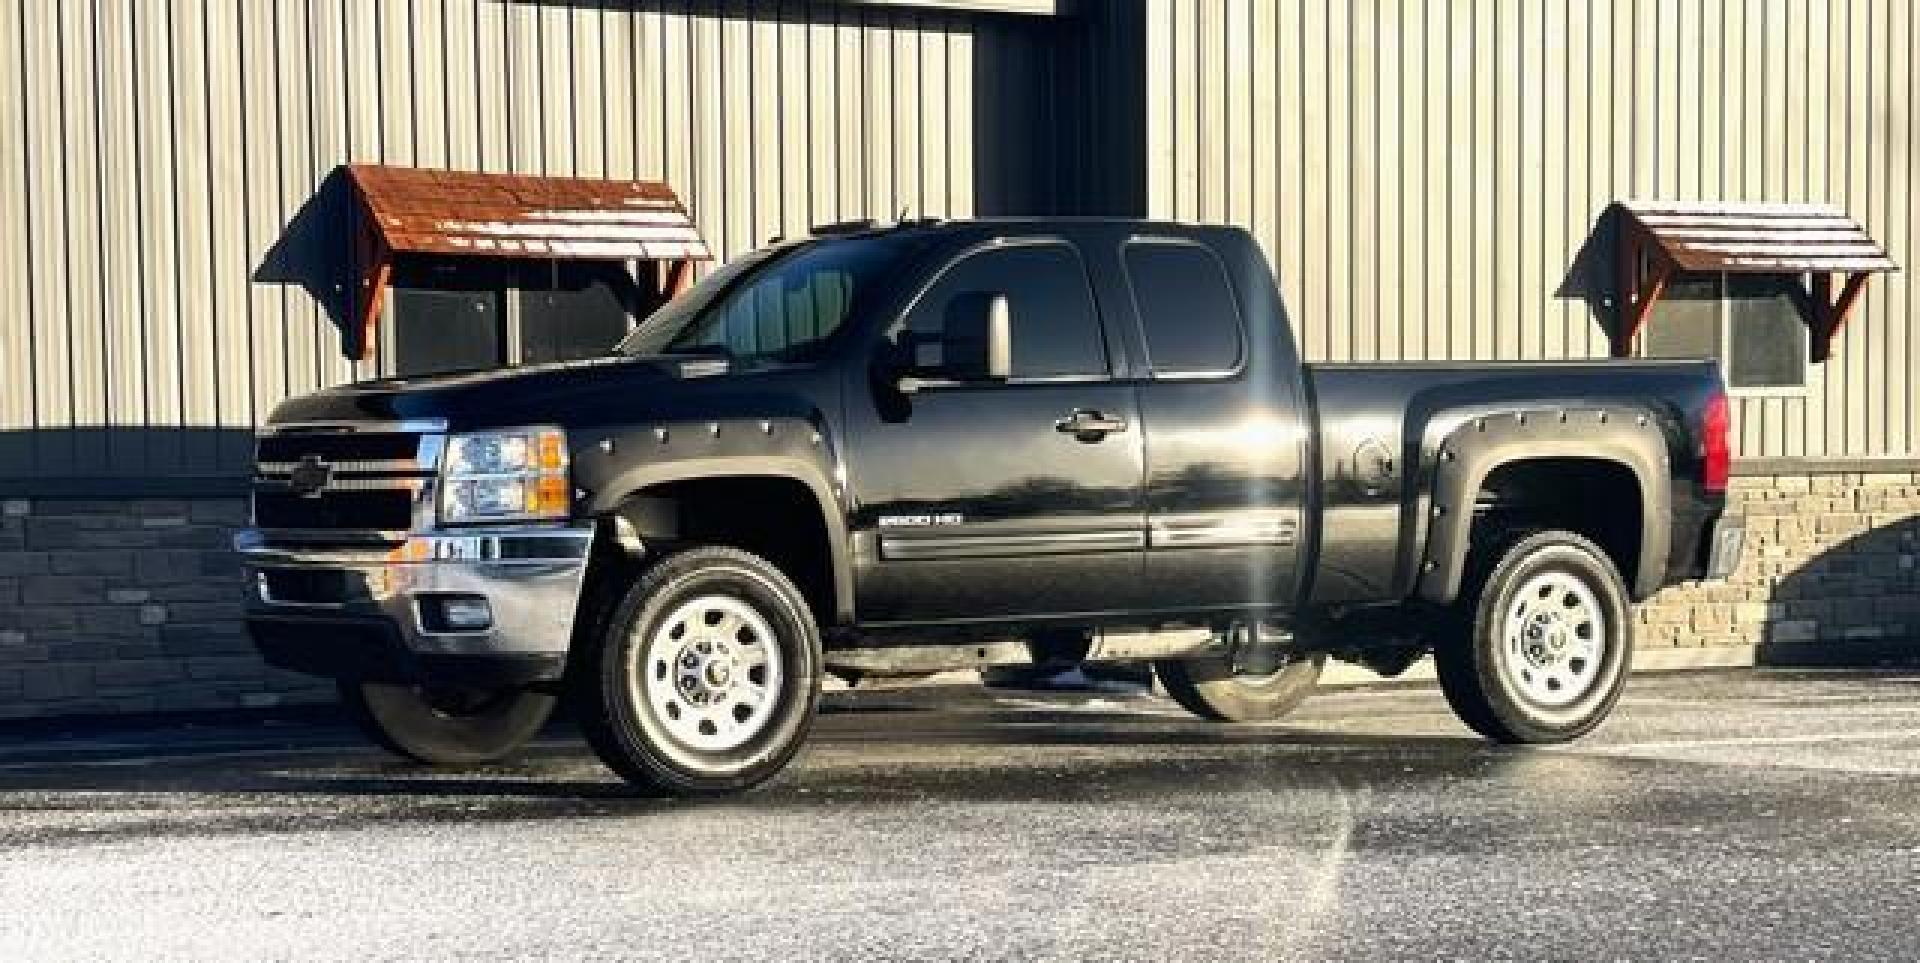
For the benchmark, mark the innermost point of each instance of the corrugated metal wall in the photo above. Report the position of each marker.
(165, 247)
(1424, 171)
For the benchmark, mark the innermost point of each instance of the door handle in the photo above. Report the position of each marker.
(1089, 424)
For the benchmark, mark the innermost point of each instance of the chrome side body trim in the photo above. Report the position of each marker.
(1249, 528)
(894, 547)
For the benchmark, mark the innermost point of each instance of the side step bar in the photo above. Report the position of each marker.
(1107, 645)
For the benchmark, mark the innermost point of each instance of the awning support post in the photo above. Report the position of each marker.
(376, 270)
(1637, 296)
(1830, 313)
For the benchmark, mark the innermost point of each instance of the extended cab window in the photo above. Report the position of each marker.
(1056, 328)
(1188, 314)
(775, 306)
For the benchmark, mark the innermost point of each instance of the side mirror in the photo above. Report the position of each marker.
(999, 338)
(975, 344)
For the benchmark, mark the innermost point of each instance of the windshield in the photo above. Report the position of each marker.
(768, 305)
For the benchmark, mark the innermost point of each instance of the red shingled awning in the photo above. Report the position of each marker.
(408, 210)
(1659, 238)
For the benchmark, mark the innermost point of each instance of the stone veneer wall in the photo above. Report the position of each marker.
(134, 605)
(116, 606)
(1831, 574)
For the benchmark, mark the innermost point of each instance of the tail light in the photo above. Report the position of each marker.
(1716, 448)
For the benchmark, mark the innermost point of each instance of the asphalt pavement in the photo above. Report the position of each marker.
(1726, 815)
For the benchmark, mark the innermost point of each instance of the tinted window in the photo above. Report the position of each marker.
(572, 310)
(1766, 339)
(447, 315)
(1686, 320)
(1187, 310)
(777, 306)
(1056, 329)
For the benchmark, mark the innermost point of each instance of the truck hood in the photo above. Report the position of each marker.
(498, 397)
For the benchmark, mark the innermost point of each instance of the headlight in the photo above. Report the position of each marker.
(513, 475)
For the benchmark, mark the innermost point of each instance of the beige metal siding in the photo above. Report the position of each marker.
(1440, 162)
(153, 156)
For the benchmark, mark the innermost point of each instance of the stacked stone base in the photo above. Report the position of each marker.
(1831, 575)
(129, 606)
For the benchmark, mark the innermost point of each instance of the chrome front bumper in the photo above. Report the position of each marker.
(530, 577)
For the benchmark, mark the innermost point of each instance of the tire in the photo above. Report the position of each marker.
(1542, 639)
(1208, 688)
(446, 726)
(670, 708)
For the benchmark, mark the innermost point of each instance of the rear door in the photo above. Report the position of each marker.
(1226, 440)
(981, 499)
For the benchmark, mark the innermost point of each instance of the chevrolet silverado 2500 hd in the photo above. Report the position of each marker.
(930, 445)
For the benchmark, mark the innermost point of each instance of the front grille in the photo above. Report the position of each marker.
(389, 510)
(339, 446)
(341, 479)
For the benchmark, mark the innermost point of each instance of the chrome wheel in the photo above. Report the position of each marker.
(1554, 640)
(710, 675)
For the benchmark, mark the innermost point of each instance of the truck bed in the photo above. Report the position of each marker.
(1380, 424)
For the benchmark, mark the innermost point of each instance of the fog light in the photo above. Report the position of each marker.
(455, 613)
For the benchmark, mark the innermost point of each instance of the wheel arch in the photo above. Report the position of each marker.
(1620, 454)
(674, 500)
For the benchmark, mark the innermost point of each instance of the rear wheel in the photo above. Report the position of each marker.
(705, 679)
(1542, 640)
(446, 725)
(1210, 689)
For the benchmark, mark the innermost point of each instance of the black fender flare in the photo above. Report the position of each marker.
(788, 449)
(1471, 447)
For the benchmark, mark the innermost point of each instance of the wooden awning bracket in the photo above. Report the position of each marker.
(1637, 295)
(1658, 239)
(373, 270)
(1829, 314)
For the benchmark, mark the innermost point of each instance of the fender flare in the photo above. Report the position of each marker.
(1481, 443)
(635, 479)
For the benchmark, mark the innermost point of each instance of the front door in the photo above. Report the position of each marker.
(983, 497)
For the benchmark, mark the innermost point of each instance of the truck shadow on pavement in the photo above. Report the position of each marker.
(249, 781)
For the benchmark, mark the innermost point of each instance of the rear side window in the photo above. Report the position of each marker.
(1188, 314)
(1056, 328)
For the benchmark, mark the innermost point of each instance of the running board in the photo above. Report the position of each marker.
(1106, 645)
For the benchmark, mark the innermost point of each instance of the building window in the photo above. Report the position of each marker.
(455, 314)
(1750, 323)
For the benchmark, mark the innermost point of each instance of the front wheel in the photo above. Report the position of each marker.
(1541, 643)
(705, 679)
(446, 725)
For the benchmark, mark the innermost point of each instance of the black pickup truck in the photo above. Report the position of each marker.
(898, 449)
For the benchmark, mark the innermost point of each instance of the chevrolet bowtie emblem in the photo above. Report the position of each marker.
(310, 477)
